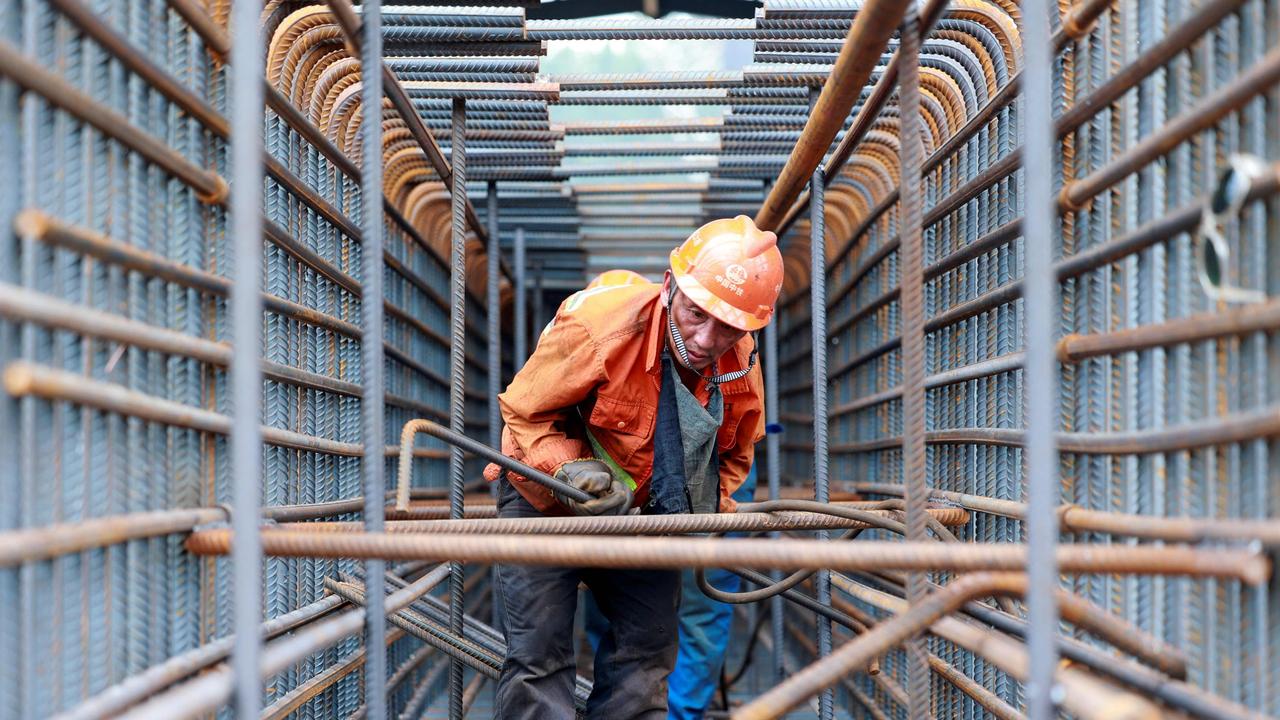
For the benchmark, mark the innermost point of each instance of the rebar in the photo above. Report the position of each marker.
(869, 33)
(839, 517)
(571, 550)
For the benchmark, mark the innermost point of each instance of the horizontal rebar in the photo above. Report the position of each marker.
(632, 525)
(212, 689)
(660, 552)
(1077, 519)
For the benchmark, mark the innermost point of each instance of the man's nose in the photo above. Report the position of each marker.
(705, 337)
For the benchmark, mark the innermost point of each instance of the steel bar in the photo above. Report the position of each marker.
(642, 127)
(322, 681)
(43, 227)
(521, 312)
(1177, 40)
(657, 552)
(457, 367)
(1040, 372)
(372, 405)
(346, 19)
(544, 91)
(883, 636)
(1225, 430)
(1231, 321)
(785, 521)
(17, 303)
(23, 379)
(211, 689)
(821, 474)
(1159, 685)
(988, 700)
(462, 443)
(44, 543)
(1203, 115)
(867, 37)
(493, 314)
(773, 449)
(1086, 697)
(1178, 221)
(868, 112)
(672, 29)
(136, 688)
(915, 467)
(245, 307)
(670, 80)
(209, 187)
(1075, 519)
(458, 648)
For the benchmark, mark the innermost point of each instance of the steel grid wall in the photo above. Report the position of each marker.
(974, 259)
(86, 621)
(114, 325)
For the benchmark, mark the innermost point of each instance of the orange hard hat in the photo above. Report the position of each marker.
(731, 269)
(616, 278)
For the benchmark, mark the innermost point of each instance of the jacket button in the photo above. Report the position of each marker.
(621, 424)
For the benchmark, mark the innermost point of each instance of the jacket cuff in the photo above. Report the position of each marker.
(554, 453)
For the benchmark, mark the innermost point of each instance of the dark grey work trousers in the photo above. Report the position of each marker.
(633, 660)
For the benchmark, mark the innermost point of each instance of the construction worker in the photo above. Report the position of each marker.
(644, 396)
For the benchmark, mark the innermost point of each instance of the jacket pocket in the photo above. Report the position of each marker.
(621, 427)
(624, 417)
(727, 436)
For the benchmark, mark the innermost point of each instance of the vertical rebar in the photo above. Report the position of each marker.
(457, 378)
(773, 446)
(537, 302)
(494, 311)
(1040, 297)
(914, 458)
(245, 443)
(375, 673)
(818, 330)
(521, 319)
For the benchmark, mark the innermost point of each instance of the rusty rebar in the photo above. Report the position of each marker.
(890, 633)
(1076, 519)
(211, 690)
(662, 552)
(1086, 697)
(474, 447)
(867, 38)
(786, 521)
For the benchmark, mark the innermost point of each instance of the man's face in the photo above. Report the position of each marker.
(705, 337)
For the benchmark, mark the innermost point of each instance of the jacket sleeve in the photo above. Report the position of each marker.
(538, 407)
(735, 461)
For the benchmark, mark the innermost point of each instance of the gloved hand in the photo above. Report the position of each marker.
(610, 496)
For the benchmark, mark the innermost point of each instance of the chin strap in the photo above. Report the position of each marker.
(683, 355)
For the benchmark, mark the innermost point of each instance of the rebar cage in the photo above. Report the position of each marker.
(116, 335)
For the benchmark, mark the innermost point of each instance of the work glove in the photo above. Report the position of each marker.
(610, 496)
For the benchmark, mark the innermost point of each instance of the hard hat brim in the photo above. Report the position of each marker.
(718, 308)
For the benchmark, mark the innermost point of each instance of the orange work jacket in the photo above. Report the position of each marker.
(597, 368)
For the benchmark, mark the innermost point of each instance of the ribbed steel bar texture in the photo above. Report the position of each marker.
(372, 400)
(915, 462)
(457, 378)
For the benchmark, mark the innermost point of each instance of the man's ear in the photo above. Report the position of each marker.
(666, 289)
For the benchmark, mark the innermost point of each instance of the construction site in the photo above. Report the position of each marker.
(308, 303)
